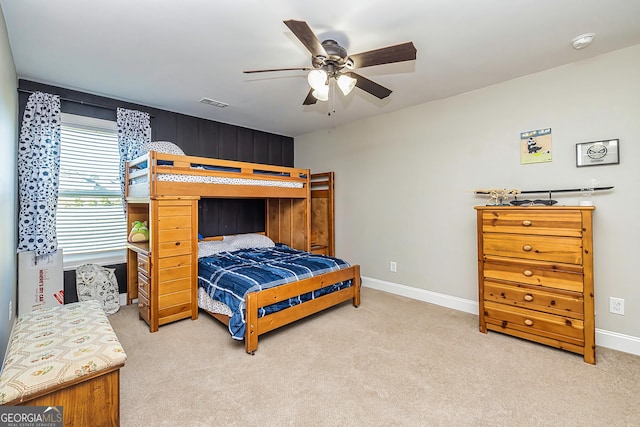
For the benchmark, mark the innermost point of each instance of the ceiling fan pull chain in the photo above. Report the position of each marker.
(332, 98)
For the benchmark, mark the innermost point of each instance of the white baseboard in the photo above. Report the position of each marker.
(613, 340)
(616, 341)
(123, 299)
(461, 304)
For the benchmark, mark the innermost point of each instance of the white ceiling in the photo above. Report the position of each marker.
(169, 54)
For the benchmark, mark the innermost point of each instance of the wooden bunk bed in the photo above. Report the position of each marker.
(163, 189)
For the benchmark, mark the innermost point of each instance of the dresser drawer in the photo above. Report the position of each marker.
(561, 303)
(541, 248)
(173, 208)
(143, 285)
(567, 277)
(175, 222)
(174, 261)
(143, 263)
(533, 221)
(534, 322)
(174, 235)
(171, 286)
(144, 309)
(175, 298)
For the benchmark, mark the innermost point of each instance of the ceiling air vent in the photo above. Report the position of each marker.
(213, 102)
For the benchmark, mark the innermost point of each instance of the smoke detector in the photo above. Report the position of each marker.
(582, 41)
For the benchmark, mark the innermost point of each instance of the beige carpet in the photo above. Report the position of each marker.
(391, 362)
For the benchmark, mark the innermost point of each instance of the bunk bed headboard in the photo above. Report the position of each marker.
(289, 222)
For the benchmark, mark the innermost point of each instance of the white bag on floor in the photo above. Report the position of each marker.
(97, 283)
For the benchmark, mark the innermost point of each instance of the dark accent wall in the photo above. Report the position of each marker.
(196, 137)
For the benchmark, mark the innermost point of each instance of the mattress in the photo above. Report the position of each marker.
(169, 177)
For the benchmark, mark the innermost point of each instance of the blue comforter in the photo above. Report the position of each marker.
(228, 276)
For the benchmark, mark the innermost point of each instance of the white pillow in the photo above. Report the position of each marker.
(213, 247)
(162, 147)
(250, 240)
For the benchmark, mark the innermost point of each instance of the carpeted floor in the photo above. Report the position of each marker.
(393, 361)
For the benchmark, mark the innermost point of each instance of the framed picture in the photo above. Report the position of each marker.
(535, 146)
(598, 153)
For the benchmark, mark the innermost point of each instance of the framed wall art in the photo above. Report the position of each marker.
(535, 146)
(597, 153)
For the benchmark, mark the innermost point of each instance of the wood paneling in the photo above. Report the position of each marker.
(288, 222)
(187, 133)
(218, 217)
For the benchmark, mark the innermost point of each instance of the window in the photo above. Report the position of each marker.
(90, 222)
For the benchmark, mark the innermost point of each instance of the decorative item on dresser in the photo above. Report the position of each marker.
(535, 275)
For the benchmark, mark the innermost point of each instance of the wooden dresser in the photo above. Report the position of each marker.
(162, 273)
(535, 275)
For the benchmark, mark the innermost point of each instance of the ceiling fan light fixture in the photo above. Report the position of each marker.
(317, 78)
(321, 93)
(346, 84)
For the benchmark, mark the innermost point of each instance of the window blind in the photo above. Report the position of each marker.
(90, 219)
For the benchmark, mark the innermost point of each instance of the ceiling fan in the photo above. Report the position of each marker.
(330, 61)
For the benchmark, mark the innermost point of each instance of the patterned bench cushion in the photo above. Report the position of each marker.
(53, 346)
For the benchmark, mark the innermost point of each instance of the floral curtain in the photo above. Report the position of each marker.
(134, 130)
(38, 174)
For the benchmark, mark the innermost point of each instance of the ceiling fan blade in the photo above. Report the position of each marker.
(370, 86)
(310, 99)
(386, 55)
(302, 31)
(278, 69)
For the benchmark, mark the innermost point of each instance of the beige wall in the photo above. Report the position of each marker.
(8, 186)
(404, 180)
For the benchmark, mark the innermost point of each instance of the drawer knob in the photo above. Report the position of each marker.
(528, 322)
(528, 273)
(528, 297)
(526, 223)
(140, 305)
(177, 243)
(527, 248)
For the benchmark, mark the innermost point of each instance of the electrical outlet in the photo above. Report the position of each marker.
(10, 310)
(616, 305)
(392, 266)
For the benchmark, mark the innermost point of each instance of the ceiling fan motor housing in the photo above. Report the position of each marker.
(336, 59)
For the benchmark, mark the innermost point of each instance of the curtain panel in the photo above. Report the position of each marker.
(38, 174)
(134, 131)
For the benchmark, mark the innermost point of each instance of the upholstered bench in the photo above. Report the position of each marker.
(65, 356)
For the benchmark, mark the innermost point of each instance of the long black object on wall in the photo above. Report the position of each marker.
(196, 137)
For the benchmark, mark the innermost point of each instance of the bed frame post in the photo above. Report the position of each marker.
(251, 333)
(356, 285)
